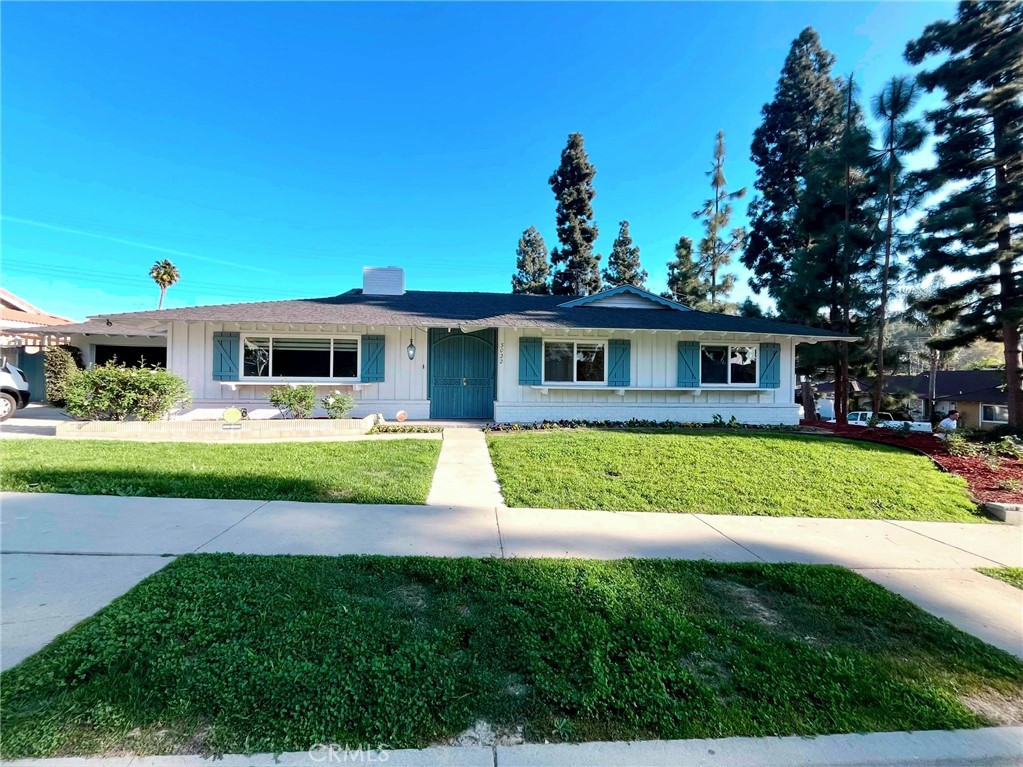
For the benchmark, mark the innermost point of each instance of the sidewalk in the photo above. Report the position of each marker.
(929, 563)
(987, 747)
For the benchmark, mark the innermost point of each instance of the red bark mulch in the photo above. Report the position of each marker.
(989, 480)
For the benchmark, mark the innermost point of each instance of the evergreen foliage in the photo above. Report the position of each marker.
(805, 114)
(979, 173)
(572, 183)
(623, 266)
(533, 275)
(685, 284)
(717, 248)
(900, 136)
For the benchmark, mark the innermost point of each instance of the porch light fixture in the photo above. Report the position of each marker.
(410, 350)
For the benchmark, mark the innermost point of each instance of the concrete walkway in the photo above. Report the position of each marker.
(36, 420)
(930, 563)
(464, 471)
(986, 747)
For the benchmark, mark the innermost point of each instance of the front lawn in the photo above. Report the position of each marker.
(228, 653)
(771, 474)
(1011, 575)
(392, 471)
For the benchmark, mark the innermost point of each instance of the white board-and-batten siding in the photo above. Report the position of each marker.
(653, 363)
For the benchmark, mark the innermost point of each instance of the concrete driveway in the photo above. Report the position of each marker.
(65, 556)
(36, 420)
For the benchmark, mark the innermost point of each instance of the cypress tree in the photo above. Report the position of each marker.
(572, 184)
(715, 250)
(805, 114)
(623, 264)
(533, 275)
(684, 282)
(979, 169)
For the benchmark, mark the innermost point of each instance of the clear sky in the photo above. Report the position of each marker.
(271, 150)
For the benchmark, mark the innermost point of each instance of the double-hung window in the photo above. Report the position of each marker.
(728, 365)
(300, 357)
(583, 362)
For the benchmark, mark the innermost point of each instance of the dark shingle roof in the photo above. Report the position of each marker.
(454, 309)
(955, 385)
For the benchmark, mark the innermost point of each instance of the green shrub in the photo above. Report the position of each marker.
(294, 401)
(338, 404)
(60, 363)
(114, 392)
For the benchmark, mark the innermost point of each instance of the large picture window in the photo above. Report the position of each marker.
(994, 413)
(300, 357)
(728, 365)
(574, 362)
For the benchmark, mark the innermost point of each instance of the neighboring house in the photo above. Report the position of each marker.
(22, 347)
(978, 395)
(619, 354)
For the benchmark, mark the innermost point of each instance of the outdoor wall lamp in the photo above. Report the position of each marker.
(411, 349)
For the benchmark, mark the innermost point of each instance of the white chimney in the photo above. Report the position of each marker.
(383, 281)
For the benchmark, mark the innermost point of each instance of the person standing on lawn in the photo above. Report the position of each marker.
(948, 424)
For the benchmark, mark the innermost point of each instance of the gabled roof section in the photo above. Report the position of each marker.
(605, 299)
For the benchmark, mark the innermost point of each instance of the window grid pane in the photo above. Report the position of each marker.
(713, 365)
(256, 357)
(589, 363)
(743, 364)
(557, 362)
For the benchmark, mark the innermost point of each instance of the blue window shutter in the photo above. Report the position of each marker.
(689, 364)
(226, 356)
(372, 359)
(619, 361)
(770, 366)
(530, 361)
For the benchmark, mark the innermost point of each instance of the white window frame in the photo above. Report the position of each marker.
(575, 342)
(991, 404)
(272, 335)
(728, 365)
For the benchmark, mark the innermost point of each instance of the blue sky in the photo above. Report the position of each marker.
(272, 150)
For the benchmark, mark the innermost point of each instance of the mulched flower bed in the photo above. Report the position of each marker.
(988, 478)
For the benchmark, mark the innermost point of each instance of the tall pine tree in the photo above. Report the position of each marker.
(718, 246)
(685, 284)
(900, 136)
(623, 264)
(533, 275)
(572, 184)
(979, 168)
(805, 114)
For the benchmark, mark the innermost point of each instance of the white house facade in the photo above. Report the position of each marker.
(617, 355)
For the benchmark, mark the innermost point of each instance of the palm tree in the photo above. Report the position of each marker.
(900, 136)
(164, 274)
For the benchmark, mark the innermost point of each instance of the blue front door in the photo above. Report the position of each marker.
(463, 369)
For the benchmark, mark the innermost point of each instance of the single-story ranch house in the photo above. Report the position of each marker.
(620, 354)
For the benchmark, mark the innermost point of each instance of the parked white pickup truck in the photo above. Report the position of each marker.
(885, 421)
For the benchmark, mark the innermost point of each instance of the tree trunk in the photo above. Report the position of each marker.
(1011, 345)
(842, 378)
(809, 408)
(932, 385)
(879, 384)
(1007, 286)
(162, 291)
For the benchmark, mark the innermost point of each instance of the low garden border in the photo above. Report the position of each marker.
(219, 431)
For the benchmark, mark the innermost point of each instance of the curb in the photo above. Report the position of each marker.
(986, 747)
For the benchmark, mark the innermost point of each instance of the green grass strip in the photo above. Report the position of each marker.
(770, 474)
(228, 653)
(392, 471)
(1011, 575)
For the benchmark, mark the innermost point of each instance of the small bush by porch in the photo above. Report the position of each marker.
(724, 472)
